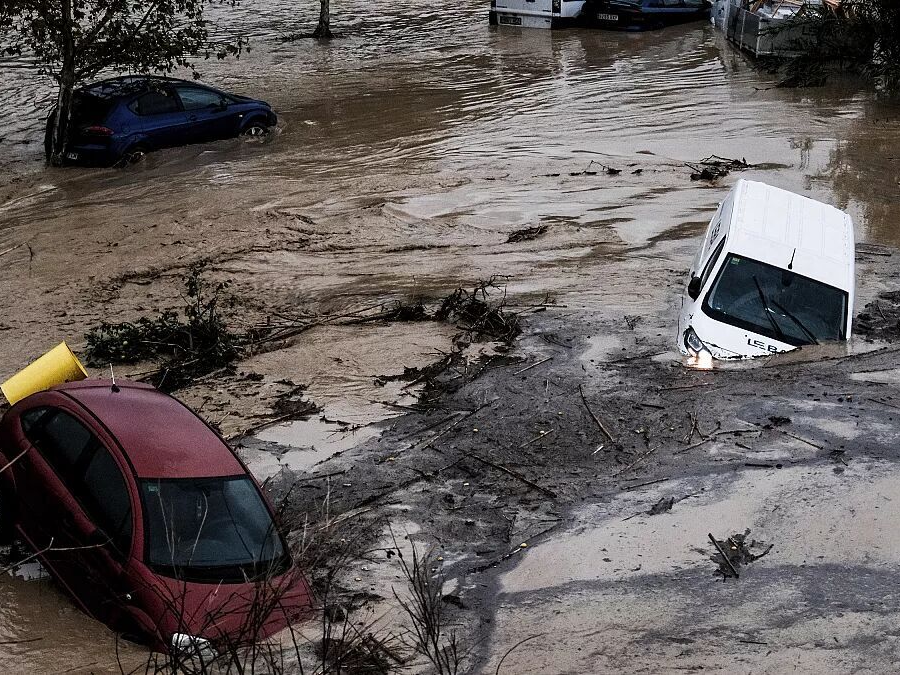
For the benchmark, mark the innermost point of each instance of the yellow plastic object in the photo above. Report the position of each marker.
(55, 367)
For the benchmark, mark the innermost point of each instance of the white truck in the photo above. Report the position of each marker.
(775, 271)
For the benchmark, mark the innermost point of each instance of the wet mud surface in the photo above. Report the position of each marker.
(424, 151)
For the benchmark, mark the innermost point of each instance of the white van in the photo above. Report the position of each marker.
(535, 13)
(775, 271)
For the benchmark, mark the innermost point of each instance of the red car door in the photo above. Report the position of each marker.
(79, 510)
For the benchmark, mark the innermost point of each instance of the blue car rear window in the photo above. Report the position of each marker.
(154, 102)
(87, 109)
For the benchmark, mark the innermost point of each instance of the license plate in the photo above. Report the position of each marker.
(608, 17)
(71, 155)
(511, 20)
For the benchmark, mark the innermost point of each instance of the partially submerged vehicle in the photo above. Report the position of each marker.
(770, 27)
(633, 15)
(123, 118)
(146, 517)
(535, 13)
(775, 271)
(638, 15)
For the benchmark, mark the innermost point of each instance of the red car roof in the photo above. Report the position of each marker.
(158, 434)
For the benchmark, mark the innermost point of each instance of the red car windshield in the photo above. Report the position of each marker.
(210, 529)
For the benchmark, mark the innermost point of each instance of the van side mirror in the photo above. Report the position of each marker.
(693, 289)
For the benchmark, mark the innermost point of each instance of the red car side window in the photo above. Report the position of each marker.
(87, 469)
(61, 440)
(31, 421)
(104, 496)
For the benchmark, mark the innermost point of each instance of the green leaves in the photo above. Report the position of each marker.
(138, 36)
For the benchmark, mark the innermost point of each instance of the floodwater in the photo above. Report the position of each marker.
(408, 150)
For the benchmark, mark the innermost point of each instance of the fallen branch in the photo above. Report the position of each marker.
(639, 485)
(724, 557)
(593, 416)
(11, 249)
(429, 441)
(514, 474)
(517, 549)
(513, 648)
(630, 466)
(533, 365)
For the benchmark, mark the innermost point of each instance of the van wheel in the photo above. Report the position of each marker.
(256, 129)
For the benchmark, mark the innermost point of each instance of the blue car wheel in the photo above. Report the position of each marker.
(136, 153)
(256, 128)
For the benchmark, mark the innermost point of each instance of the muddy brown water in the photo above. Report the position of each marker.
(408, 150)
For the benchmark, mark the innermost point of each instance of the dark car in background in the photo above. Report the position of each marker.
(146, 516)
(121, 119)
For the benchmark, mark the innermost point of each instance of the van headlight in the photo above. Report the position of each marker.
(693, 342)
(700, 357)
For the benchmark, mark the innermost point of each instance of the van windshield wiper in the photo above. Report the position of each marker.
(797, 321)
(766, 309)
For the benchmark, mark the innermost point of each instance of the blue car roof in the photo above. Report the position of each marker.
(127, 85)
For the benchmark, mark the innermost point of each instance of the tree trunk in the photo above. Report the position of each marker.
(60, 128)
(323, 30)
(59, 132)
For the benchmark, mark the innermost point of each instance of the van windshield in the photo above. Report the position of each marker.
(209, 529)
(776, 302)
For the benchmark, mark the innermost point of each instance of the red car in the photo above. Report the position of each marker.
(146, 517)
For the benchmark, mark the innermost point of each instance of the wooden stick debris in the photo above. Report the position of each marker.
(429, 441)
(514, 474)
(11, 249)
(686, 386)
(757, 557)
(321, 475)
(889, 405)
(537, 438)
(630, 466)
(787, 433)
(593, 416)
(428, 427)
(644, 484)
(533, 365)
(694, 445)
(724, 557)
(516, 550)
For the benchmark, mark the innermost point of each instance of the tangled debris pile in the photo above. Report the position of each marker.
(715, 167)
(881, 318)
(527, 234)
(186, 346)
(481, 317)
(735, 551)
(198, 341)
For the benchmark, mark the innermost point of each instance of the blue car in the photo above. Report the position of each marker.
(122, 119)
(639, 15)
